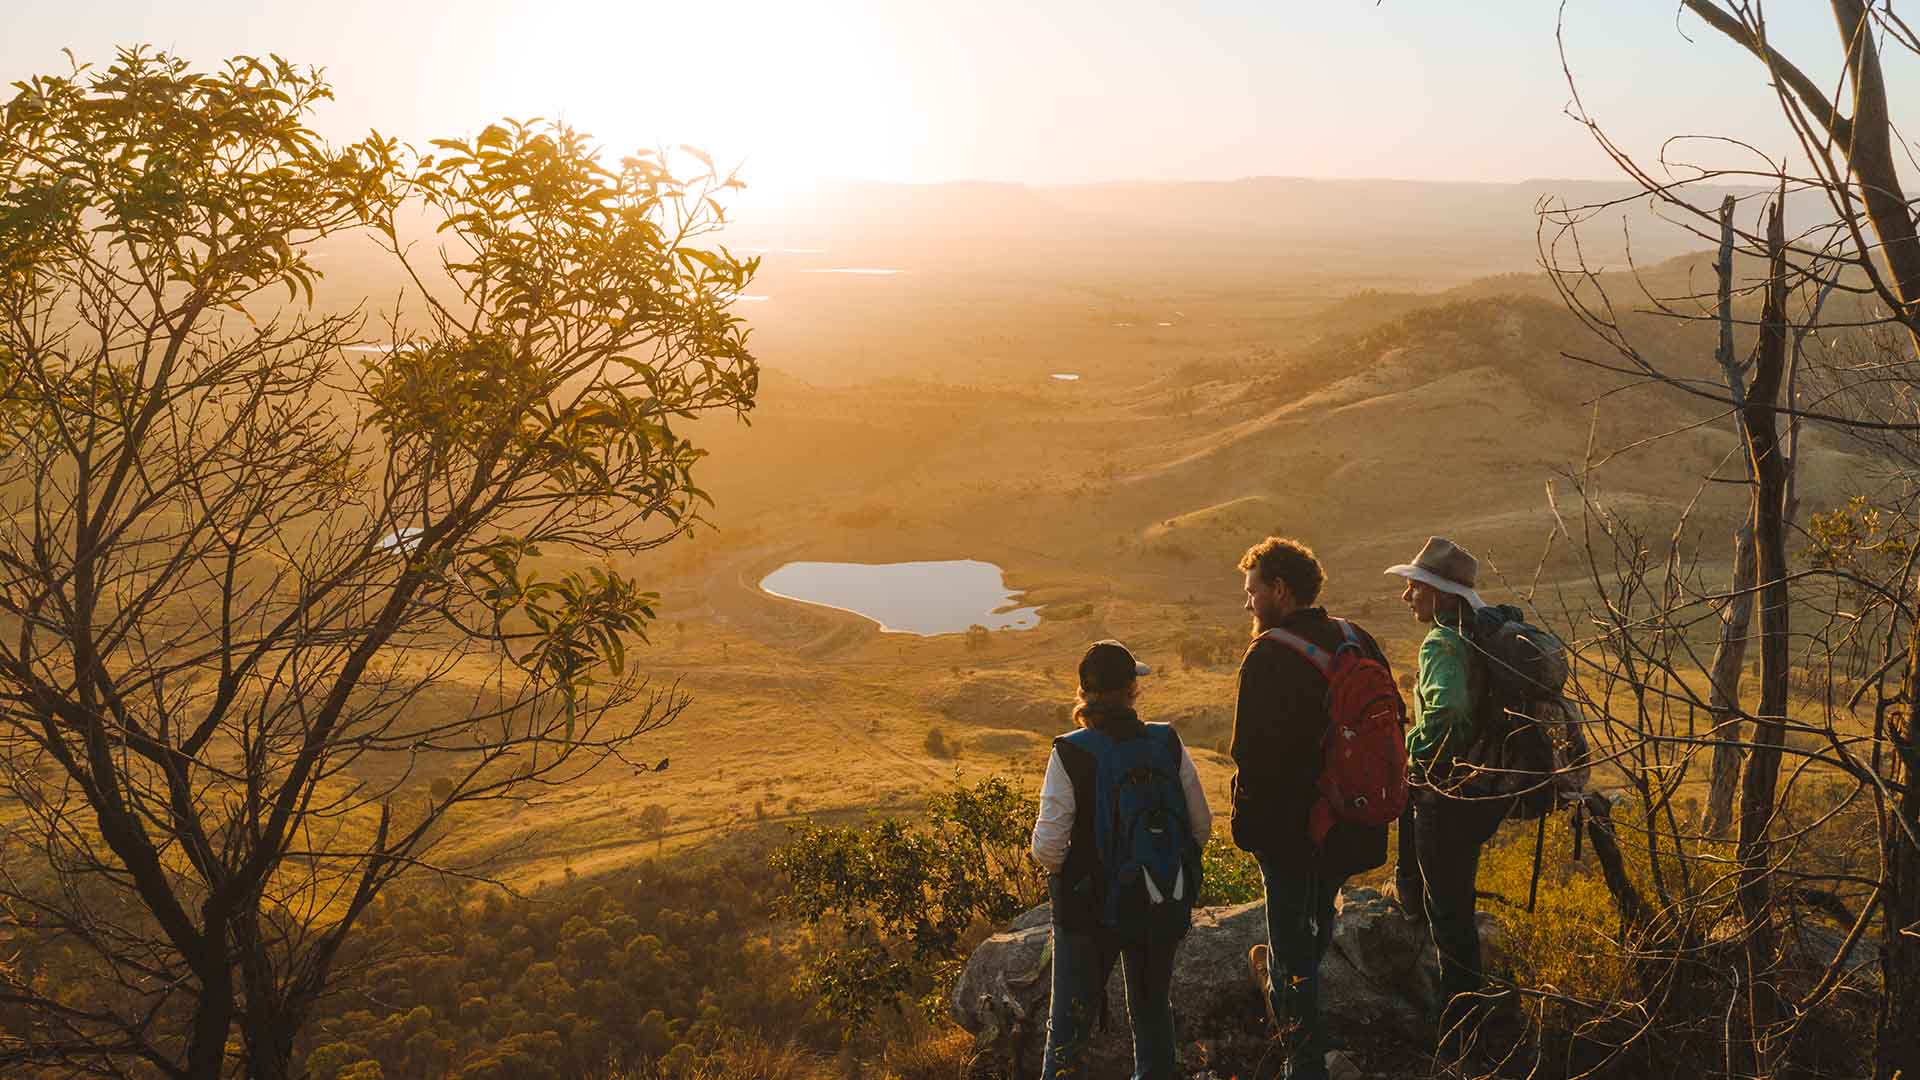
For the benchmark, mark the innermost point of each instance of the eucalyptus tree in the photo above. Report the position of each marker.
(277, 600)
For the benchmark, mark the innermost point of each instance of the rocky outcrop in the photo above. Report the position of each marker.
(1378, 984)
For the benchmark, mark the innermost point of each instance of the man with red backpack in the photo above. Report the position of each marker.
(1321, 770)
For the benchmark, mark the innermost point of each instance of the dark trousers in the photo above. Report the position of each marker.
(1300, 900)
(1438, 861)
(1082, 961)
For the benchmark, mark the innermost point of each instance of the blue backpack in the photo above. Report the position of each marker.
(1147, 879)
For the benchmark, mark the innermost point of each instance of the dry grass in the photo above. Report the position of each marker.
(938, 1055)
(945, 1053)
(741, 1059)
(968, 452)
(1565, 944)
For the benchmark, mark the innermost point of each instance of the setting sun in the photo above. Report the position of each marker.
(798, 96)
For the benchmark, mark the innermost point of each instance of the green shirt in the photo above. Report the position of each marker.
(1443, 699)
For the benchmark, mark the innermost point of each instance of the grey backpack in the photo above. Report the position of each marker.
(1530, 742)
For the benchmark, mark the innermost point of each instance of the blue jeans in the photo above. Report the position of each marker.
(1299, 930)
(1439, 860)
(1082, 960)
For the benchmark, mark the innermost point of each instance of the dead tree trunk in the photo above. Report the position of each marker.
(1729, 661)
(1595, 815)
(1868, 141)
(1761, 779)
(1736, 618)
(1869, 150)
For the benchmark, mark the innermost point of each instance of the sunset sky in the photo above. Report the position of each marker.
(1052, 92)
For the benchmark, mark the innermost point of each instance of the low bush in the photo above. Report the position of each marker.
(936, 745)
(621, 972)
(1228, 875)
(1566, 943)
(905, 900)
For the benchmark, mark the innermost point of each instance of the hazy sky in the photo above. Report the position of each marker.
(1044, 92)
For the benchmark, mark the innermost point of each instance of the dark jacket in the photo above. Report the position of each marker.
(1279, 720)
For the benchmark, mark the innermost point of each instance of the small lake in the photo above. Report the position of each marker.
(922, 598)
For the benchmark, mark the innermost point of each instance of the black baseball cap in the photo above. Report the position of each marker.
(1109, 666)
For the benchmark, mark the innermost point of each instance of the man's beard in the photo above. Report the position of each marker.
(1254, 629)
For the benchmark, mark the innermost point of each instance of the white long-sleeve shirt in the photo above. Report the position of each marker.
(1053, 831)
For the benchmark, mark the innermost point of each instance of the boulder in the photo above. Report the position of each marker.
(1805, 949)
(1377, 983)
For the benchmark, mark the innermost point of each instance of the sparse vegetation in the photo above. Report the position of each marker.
(1228, 875)
(936, 745)
(1201, 648)
(905, 898)
(653, 821)
(668, 969)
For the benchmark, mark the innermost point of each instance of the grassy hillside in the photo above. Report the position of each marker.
(1118, 504)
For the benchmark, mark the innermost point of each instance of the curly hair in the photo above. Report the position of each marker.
(1283, 559)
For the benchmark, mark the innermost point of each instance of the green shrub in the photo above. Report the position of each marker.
(936, 745)
(909, 897)
(618, 971)
(1566, 943)
(1228, 875)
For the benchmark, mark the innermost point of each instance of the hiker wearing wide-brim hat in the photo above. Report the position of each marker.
(1439, 592)
(1446, 566)
(1102, 912)
(1440, 835)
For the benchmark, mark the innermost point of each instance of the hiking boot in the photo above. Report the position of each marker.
(1410, 908)
(1260, 959)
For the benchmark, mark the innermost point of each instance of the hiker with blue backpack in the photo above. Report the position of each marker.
(1122, 820)
(1320, 772)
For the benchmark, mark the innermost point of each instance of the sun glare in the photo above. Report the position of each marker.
(785, 95)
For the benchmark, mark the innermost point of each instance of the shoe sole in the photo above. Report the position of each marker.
(1260, 959)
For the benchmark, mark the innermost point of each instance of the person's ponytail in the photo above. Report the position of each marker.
(1090, 705)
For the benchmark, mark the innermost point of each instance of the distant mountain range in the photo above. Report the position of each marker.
(1260, 211)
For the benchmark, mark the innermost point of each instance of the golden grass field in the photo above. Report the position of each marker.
(913, 417)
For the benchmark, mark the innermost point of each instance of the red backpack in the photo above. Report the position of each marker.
(1363, 772)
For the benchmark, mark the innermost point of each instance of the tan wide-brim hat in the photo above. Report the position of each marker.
(1446, 566)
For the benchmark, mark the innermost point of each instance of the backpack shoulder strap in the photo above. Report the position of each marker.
(1074, 748)
(1321, 660)
(1363, 643)
(1103, 751)
(1351, 635)
(1098, 744)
